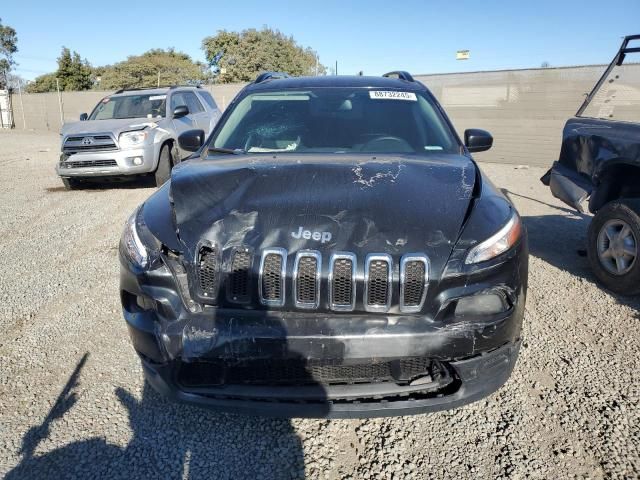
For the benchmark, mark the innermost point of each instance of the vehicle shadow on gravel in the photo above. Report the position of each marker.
(168, 440)
(96, 186)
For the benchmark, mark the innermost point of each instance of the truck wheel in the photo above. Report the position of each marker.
(70, 183)
(163, 172)
(614, 246)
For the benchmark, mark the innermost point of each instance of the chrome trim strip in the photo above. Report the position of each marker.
(370, 258)
(332, 261)
(301, 254)
(283, 273)
(413, 257)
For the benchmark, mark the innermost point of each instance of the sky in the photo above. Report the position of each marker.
(371, 36)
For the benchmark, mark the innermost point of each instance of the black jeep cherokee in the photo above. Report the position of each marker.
(332, 250)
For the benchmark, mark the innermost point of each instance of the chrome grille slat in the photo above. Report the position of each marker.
(377, 282)
(414, 281)
(342, 281)
(306, 279)
(239, 277)
(273, 267)
(89, 163)
(208, 271)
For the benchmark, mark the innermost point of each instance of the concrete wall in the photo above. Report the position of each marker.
(525, 110)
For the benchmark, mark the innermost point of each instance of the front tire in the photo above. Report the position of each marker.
(70, 183)
(165, 162)
(614, 246)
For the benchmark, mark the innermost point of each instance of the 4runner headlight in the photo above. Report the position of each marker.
(137, 242)
(132, 139)
(500, 242)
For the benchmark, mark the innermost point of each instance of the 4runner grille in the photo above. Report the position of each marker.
(88, 143)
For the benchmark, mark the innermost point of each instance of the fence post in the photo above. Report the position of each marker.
(24, 120)
(60, 103)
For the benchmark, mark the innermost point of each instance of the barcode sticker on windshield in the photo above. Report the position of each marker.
(392, 95)
(157, 97)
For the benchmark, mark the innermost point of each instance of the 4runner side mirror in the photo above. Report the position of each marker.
(191, 140)
(83, 117)
(181, 111)
(477, 140)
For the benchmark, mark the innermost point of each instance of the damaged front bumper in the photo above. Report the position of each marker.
(301, 364)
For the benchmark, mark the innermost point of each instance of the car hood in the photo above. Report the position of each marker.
(352, 203)
(115, 126)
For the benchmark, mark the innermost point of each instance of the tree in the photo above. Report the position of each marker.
(42, 83)
(8, 46)
(157, 66)
(73, 74)
(241, 56)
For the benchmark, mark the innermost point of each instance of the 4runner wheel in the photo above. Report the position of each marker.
(614, 246)
(70, 183)
(163, 172)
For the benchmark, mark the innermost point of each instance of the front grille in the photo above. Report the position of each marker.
(413, 282)
(88, 143)
(378, 282)
(301, 372)
(306, 279)
(238, 290)
(272, 272)
(208, 271)
(89, 164)
(342, 282)
(306, 275)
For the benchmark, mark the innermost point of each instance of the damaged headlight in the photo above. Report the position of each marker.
(500, 242)
(132, 139)
(137, 243)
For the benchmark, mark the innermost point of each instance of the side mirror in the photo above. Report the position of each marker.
(477, 140)
(83, 117)
(181, 111)
(191, 140)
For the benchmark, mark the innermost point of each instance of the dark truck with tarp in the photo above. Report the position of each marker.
(599, 170)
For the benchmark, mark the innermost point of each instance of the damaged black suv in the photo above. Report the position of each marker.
(331, 250)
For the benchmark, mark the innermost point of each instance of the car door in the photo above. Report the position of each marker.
(198, 112)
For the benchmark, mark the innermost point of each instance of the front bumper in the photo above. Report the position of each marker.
(96, 164)
(478, 353)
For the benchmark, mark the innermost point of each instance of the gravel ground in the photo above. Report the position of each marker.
(73, 403)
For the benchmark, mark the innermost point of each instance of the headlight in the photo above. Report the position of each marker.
(498, 243)
(141, 252)
(132, 139)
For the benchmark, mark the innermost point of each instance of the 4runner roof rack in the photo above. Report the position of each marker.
(263, 77)
(171, 87)
(401, 74)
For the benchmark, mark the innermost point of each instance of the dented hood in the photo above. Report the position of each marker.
(354, 203)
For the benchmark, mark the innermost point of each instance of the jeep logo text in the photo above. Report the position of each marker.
(322, 237)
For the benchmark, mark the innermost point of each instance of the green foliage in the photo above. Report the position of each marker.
(241, 56)
(8, 46)
(73, 74)
(166, 67)
(42, 83)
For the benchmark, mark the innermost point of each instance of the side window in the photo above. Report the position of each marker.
(193, 103)
(177, 100)
(209, 99)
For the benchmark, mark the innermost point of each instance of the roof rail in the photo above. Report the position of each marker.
(401, 74)
(171, 87)
(264, 76)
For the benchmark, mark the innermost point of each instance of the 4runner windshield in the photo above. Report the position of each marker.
(130, 106)
(335, 120)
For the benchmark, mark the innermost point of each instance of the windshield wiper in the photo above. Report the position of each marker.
(231, 151)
